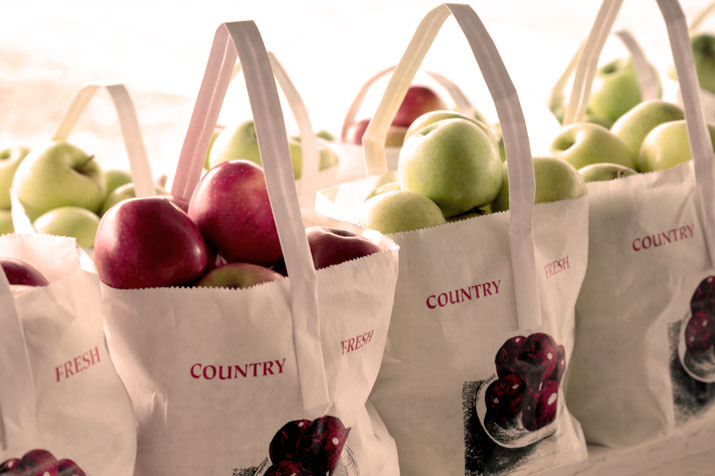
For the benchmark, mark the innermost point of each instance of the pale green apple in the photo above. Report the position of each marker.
(74, 222)
(385, 187)
(603, 172)
(666, 146)
(9, 162)
(207, 162)
(584, 143)
(399, 211)
(554, 180)
(125, 192)
(237, 276)
(476, 212)
(434, 116)
(325, 135)
(615, 91)
(327, 156)
(6, 225)
(454, 163)
(58, 175)
(633, 126)
(704, 55)
(115, 178)
(240, 142)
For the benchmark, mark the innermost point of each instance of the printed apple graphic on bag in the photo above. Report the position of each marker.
(696, 344)
(40, 462)
(520, 404)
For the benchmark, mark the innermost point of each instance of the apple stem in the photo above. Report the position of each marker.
(88, 160)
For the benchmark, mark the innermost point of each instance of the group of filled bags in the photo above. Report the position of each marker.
(395, 323)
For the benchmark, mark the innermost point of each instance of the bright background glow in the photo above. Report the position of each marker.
(158, 48)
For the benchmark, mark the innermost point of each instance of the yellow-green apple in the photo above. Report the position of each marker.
(231, 208)
(704, 55)
(60, 174)
(418, 100)
(454, 163)
(240, 142)
(327, 157)
(435, 116)
(603, 172)
(6, 225)
(76, 222)
(237, 276)
(148, 242)
(394, 138)
(115, 178)
(21, 272)
(395, 212)
(584, 143)
(554, 180)
(634, 125)
(9, 161)
(385, 187)
(207, 160)
(124, 192)
(475, 212)
(615, 90)
(666, 146)
(325, 135)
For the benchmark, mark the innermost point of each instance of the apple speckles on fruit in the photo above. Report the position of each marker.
(699, 335)
(319, 447)
(504, 397)
(284, 445)
(540, 406)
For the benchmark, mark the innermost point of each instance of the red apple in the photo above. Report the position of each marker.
(20, 272)
(237, 275)
(418, 100)
(231, 208)
(8, 466)
(67, 467)
(148, 242)
(38, 463)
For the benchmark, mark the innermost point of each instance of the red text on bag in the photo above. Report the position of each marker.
(456, 296)
(663, 238)
(77, 364)
(236, 371)
(357, 342)
(556, 267)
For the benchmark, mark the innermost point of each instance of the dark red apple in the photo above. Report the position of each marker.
(148, 242)
(330, 246)
(287, 468)
(537, 359)
(284, 445)
(231, 208)
(320, 446)
(21, 272)
(504, 396)
(38, 463)
(237, 275)
(507, 354)
(699, 336)
(7, 467)
(67, 467)
(560, 365)
(418, 100)
(540, 406)
(703, 298)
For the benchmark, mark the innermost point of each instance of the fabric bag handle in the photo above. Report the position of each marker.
(698, 134)
(309, 143)
(516, 140)
(461, 101)
(17, 398)
(242, 40)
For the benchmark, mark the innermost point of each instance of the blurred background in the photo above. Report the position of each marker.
(158, 49)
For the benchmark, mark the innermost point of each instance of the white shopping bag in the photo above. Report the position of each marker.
(651, 243)
(61, 397)
(472, 290)
(254, 381)
(352, 161)
(139, 167)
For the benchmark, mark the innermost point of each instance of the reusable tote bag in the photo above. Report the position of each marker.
(315, 167)
(272, 379)
(139, 167)
(63, 408)
(641, 363)
(481, 304)
(352, 162)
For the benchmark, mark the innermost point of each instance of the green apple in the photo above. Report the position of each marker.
(325, 135)
(385, 187)
(9, 161)
(615, 91)
(704, 55)
(399, 211)
(454, 163)
(327, 156)
(666, 146)
(240, 142)
(584, 143)
(75, 222)
(434, 116)
(554, 180)
(633, 126)
(604, 171)
(214, 135)
(125, 192)
(58, 175)
(116, 177)
(476, 212)
(237, 276)
(6, 225)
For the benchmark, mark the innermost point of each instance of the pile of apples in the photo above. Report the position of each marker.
(62, 188)
(40, 462)
(225, 236)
